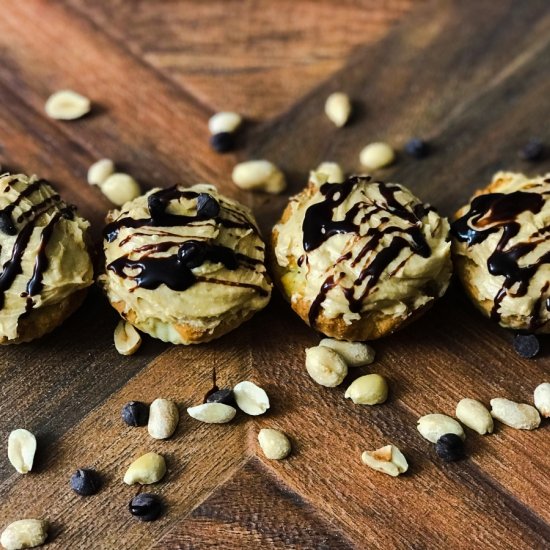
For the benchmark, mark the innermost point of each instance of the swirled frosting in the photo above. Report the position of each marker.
(503, 239)
(184, 256)
(359, 246)
(43, 252)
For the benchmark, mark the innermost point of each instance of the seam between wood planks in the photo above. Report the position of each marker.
(184, 92)
(507, 72)
(519, 509)
(300, 499)
(357, 59)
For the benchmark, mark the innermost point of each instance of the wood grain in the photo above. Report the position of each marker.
(468, 76)
(254, 56)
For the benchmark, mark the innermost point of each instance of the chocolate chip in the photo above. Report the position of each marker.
(532, 150)
(6, 224)
(135, 413)
(207, 206)
(85, 482)
(192, 253)
(146, 506)
(224, 396)
(526, 345)
(223, 142)
(417, 148)
(450, 447)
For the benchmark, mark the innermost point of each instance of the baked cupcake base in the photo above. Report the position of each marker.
(182, 333)
(46, 319)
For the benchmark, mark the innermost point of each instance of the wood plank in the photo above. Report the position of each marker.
(142, 121)
(246, 56)
(47, 384)
(438, 69)
(406, 512)
(200, 457)
(252, 511)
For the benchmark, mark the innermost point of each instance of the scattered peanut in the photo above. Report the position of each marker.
(516, 415)
(332, 171)
(99, 171)
(475, 415)
(163, 418)
(24, 533)
(542, 399)
(355, 354)
(250, 398)
(376, 155)
(224, 121)
(120, 188)
(274, 444)
(338, 108)
(259, 175)
(433, 426)
(371, 389)
(127, 339)
(148, 468)
(213, 413)
(388, 460)
(21, 450)
(325, 366)
(67, 105)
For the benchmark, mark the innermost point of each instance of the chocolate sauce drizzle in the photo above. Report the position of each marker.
(319, 226)
(175, 270)
(13, 267)
(496, 212)
(159, 217)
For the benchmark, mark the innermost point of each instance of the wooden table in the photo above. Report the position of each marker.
(470, 76)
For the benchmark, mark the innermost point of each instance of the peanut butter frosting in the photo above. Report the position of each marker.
(184, 256)
(362, 246)
(502, 241)
(43, 250)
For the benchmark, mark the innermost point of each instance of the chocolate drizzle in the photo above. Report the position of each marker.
(319, 225)
(13, 267)
(6, 219)
(175, 270)
(207, 208)
(495, 212)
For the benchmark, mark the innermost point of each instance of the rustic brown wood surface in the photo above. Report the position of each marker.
(471, 76)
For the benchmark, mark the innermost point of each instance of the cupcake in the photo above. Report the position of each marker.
(360, 259)
(46, 265)
(184, 265)
(501, 248)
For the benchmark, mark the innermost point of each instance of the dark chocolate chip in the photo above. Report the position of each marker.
(526, 345)
(417, 148)
(135, 413)
(207, 206)
(223, 142)
(450, 447)
(146, 506)
(192, 253)
(532, 150)
(6, 224)
(85, 482)
(224, 396)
